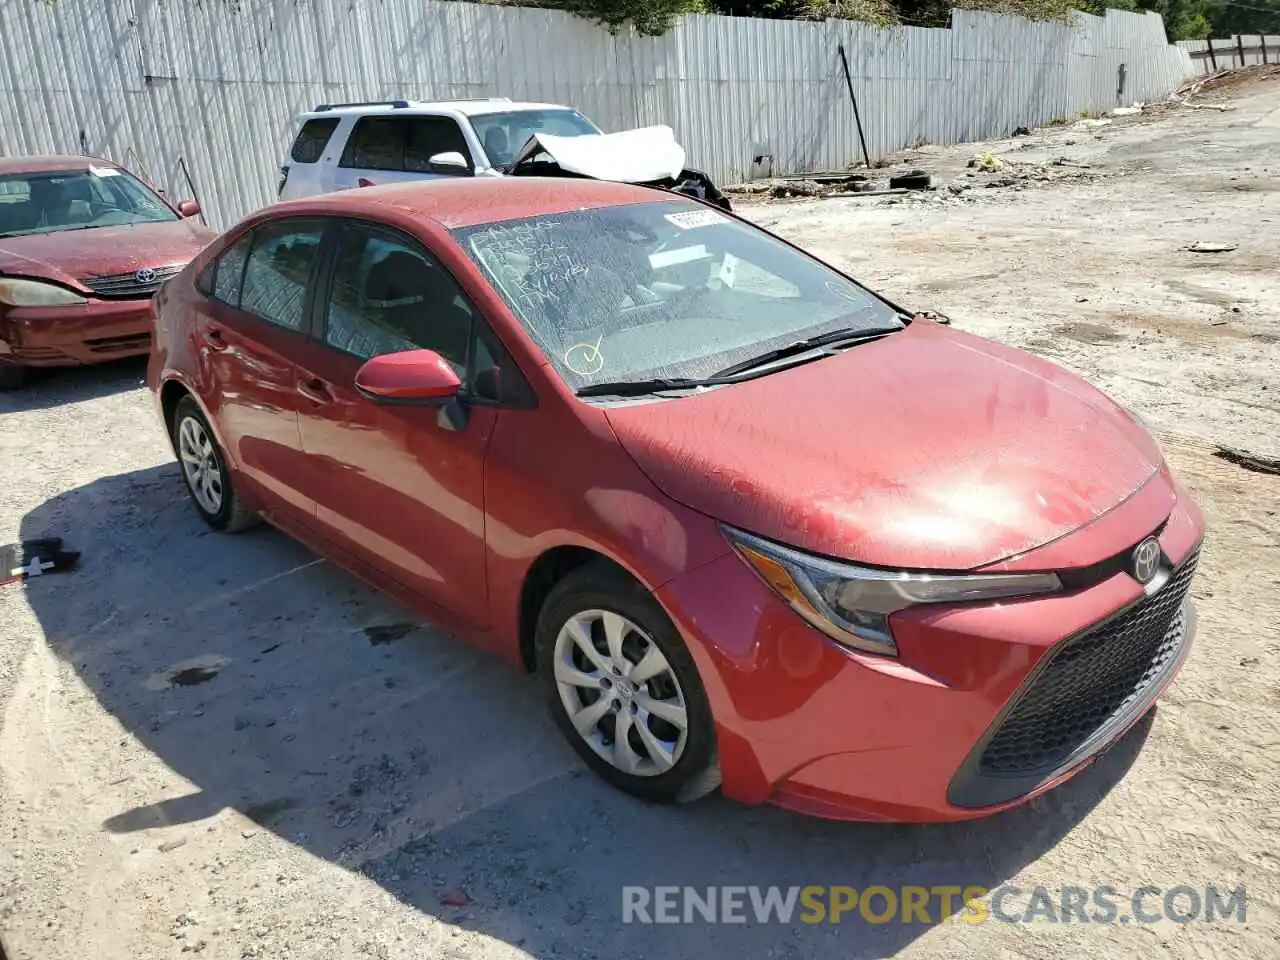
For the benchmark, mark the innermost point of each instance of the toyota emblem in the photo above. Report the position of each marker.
(146, 275)
(1146, 560)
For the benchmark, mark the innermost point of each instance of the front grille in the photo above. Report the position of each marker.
(1087, 681)
(128, 286)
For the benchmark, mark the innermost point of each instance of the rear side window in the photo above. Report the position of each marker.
(278, 271)
(312, 139)
(377, 143)
(229, 272)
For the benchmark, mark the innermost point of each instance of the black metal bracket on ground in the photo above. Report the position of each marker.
(857, 117)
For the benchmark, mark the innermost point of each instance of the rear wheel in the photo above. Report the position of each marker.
(623, 688)
(204, 468)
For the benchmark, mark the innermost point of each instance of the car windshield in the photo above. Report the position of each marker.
(53, 200)
(503, 134)
(663, 290)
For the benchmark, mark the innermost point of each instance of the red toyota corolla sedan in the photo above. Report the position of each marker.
(84, 245)
(752, 525)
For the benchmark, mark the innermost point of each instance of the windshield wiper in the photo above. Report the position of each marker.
(638, 388)
(829, 338)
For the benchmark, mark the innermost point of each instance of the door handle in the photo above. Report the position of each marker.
(315, 390)
(213, 338)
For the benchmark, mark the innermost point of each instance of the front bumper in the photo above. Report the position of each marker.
(92, 332)
(809, 725)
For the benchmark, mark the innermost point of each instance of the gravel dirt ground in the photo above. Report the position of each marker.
(224, 746)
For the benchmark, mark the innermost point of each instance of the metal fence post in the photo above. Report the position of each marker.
(1240, 47)
(1213, 58)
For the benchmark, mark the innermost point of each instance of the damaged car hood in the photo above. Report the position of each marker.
(642, 155)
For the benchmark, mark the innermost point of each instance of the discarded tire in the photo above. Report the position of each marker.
(915, 180)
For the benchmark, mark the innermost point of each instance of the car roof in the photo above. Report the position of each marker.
(470, 108)
(48, 164)
(459, 202)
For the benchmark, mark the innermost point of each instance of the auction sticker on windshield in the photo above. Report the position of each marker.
(690, 219)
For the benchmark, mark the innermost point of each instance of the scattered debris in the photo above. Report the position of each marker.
(1021, 132)
(34, 558)
(1221, 80)
(1090, 123)
(170, 845)
(1249, 461)
(1068, 162)
(1211, 246)
(913, 180)
(986, 162)
(454, 898)
(933, 315)
(798, 188)
(389, 632)
(1126, 111)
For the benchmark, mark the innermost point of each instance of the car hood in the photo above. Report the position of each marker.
(927, 449)
(68, 256)
(641, 155)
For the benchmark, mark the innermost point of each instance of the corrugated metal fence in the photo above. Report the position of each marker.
(176, 88)
(1246, 50)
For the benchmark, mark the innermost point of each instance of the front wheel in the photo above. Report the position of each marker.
(623, 688)
(204, 468)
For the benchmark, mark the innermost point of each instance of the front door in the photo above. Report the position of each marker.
(250, 324)
(399, 486)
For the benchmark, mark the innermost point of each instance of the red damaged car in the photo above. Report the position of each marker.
(84, 244)
(752, 525)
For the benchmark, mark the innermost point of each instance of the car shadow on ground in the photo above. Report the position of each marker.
(56, 386)
(286, 690)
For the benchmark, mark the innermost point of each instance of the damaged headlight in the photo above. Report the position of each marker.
(852, 604)
(32, 293)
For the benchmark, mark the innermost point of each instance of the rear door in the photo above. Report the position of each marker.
(399, 148)
(312, 158)
(250, 326)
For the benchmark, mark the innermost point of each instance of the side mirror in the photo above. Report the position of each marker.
(414, 376)
(189, 208)
(452, 163)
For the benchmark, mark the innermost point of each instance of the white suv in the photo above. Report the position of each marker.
(344, 145)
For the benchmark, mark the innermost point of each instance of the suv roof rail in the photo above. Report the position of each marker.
(397, 104)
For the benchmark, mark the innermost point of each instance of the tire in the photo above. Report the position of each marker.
(596, 603)
(191, 436)
(12, 376)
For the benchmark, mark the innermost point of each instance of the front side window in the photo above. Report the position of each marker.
(503, 134)
(425, 137)
(668, 289)
(278, 270)
(57, 200)
(388, 296)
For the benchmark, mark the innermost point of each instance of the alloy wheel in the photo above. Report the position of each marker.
(620, 693)
(200, 465)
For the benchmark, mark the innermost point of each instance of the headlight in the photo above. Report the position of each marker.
(852, 604)
(33, 293)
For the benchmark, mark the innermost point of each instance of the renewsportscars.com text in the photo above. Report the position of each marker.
(930, 905)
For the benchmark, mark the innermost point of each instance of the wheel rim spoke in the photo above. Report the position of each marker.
(614, 629)
(624, 757)
(673, 713)
(658, 751)
(650, 665)
(580, 634)
(566, 672)
(585, 720)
